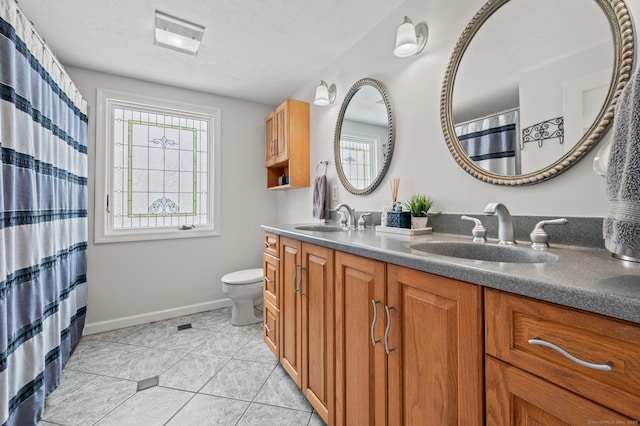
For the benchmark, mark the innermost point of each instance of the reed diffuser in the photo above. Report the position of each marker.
(395, 184)
(396, 218)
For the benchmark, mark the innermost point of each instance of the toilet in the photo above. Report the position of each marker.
(244, 288)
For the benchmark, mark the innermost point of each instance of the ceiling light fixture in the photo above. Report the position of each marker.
(325, 94)
(177, 34)
(410, 40)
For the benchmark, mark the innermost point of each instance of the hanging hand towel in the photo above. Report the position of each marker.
(320, 197)
(621, 228)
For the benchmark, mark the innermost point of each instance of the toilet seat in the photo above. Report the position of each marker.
(246, 276)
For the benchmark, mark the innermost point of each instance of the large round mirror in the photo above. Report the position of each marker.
(531, 86)
(364, 137)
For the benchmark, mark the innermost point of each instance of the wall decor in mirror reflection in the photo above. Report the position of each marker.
(364, 137)
(511, 80)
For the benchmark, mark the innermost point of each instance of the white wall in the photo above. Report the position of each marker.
(137, 282)
(538, 105)
(421, 158)
(142, 281)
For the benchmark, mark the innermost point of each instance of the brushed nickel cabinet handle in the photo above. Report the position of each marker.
(607, 366)
(266, 327)
(373, 323)
(301, 275)
(293, 283)
(387, 309)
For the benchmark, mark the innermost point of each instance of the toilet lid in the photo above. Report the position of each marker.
(246, 276)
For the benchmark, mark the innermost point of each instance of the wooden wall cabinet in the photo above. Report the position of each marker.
(527, 381)
(408, 346)
(287, 145)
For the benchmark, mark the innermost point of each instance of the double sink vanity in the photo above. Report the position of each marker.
(452, 329)
(382, 328)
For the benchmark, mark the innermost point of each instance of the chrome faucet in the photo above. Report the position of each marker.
(505, 224)
(352, 214)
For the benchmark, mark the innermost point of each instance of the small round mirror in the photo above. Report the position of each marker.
(364, 137)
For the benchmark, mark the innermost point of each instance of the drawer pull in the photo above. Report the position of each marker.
(295, 272)
(607, 366)
(302, 268)
(266, 327)
(268, 244)
(268, 280)
(373, 323)
(386, 331)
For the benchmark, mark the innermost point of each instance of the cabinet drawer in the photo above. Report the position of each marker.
(271, 266)
(517, 332)
(271, 332)
(271, 244)
(515, 397)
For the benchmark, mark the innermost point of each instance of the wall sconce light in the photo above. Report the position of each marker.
(177, 34)
(325, 94)
(410, 40)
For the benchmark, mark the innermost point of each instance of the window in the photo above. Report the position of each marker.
(157, 169)
(357, 153)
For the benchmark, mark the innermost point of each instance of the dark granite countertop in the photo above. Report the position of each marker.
(583, 278)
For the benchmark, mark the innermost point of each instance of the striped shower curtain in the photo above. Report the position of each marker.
(43, 219)
(492, 142)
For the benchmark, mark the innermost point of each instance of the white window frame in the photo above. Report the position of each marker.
(103, 220)
(374, 141)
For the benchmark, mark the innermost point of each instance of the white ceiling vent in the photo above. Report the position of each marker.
(177, 34)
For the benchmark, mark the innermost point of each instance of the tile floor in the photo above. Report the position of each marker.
(210, 374)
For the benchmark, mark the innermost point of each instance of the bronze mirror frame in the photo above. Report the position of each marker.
(390, 136)
(623, 38)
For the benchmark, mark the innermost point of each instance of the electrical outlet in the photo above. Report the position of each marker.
(334, 193)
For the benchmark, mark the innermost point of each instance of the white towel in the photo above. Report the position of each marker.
(621, 229)
(320, 197)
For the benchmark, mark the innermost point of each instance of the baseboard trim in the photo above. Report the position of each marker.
(113, 324)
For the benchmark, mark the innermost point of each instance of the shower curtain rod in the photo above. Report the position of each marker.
(495, 114)
(54, 59)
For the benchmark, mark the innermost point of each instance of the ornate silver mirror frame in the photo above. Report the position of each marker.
(622, 32)
(389, 143)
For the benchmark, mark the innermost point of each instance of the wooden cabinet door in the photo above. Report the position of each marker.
(271, 267)
(516, 398)
(290, 307)
(316, 294)
(270, 149)
(281, 132)
(360, 363)
(435, 342)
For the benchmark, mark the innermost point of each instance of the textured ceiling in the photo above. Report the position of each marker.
(259, 50)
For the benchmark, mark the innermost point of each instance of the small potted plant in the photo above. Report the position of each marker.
(419, 205)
